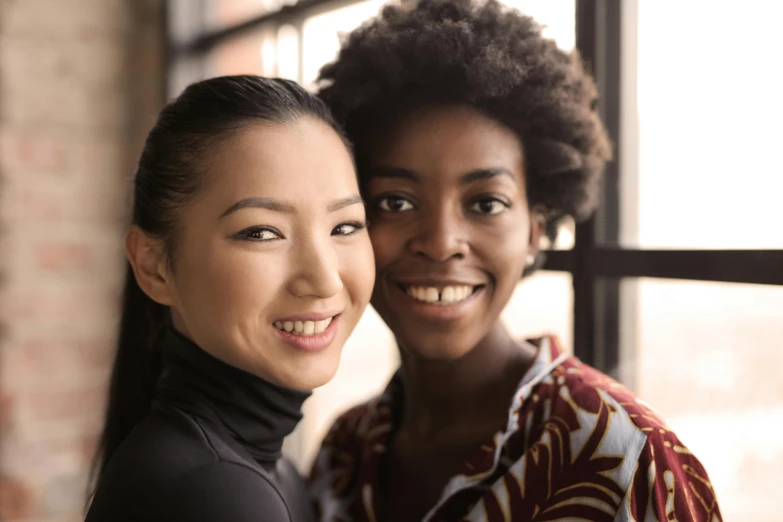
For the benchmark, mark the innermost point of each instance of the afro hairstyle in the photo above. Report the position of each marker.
(490, 57)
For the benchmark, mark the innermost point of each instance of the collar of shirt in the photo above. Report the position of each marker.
(485, 461)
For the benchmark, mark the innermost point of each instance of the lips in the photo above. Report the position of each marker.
(308, 332)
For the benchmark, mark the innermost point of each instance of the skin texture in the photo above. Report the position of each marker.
(234, 274)
(447, 198)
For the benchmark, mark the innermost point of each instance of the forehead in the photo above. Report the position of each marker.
(303, 162)
(448, 141)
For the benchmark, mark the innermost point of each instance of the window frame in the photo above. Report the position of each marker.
(597, 270)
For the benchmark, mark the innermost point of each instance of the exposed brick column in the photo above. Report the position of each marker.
(80, 84)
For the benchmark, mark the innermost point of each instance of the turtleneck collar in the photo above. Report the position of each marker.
(257, 413)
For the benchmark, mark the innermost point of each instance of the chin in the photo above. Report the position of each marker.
(441, 349)
(311, 382)
(309, 375)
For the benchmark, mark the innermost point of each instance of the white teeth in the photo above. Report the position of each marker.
(320, 326)
(304, 328)
(309, 327)
(448, 295)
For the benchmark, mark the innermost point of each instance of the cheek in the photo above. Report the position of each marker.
(505, 248)
(358, 271)
(227, 284)
(386, 244)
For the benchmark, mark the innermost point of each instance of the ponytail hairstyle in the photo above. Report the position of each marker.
(169, 175)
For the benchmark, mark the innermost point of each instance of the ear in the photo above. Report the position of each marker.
(147, 257)
(537, 229)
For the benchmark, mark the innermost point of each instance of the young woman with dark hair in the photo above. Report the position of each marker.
(248, 266)
(475, 137)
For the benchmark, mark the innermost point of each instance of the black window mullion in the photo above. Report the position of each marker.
(597, 300)
(764, 267)
(584, 239)
(606, 302)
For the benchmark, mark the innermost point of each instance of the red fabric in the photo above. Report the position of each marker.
(578, 446)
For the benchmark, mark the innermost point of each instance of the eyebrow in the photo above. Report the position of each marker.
(287, 208)
(336, 205)
(394, 173)
(269, 204)
(469, 177)
(481, 174)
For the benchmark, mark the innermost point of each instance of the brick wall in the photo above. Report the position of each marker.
(80, 85)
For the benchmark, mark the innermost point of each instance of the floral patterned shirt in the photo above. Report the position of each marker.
(577, 446)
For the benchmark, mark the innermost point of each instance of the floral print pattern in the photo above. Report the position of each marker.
(578, 446)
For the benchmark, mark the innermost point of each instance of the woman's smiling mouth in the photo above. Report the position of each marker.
(442, 295)
(436, 300)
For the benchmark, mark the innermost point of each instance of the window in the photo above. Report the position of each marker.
(692, 114)
(709, 108)
(706, 356)
(557, 16)
(219, 14)
(322, 34)
(676, 286)
(542, 304)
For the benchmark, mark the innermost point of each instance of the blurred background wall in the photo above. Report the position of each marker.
(80, 81)
(673, 288)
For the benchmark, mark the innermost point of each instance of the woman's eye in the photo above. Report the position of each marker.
(395, 204)
(489, 206)
(258, 234)
(346, 229)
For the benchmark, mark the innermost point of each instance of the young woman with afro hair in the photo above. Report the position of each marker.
(474, 138)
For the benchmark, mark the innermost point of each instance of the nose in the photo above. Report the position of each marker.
(440, 237)
(315, 270)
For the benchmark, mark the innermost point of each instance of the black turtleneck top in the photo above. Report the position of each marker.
(209, 451)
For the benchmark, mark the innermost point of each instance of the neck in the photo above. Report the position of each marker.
(257, 413)
(473, 390)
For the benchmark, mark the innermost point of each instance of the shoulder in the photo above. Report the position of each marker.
(628, 423)
(347, 435)
(669, 483)
(334, 474)
(160, 448)
(665, 476)
(170, 461)
(217, 491)
(166, 445)
(353, 424)
(221, 491)
(590, 389)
